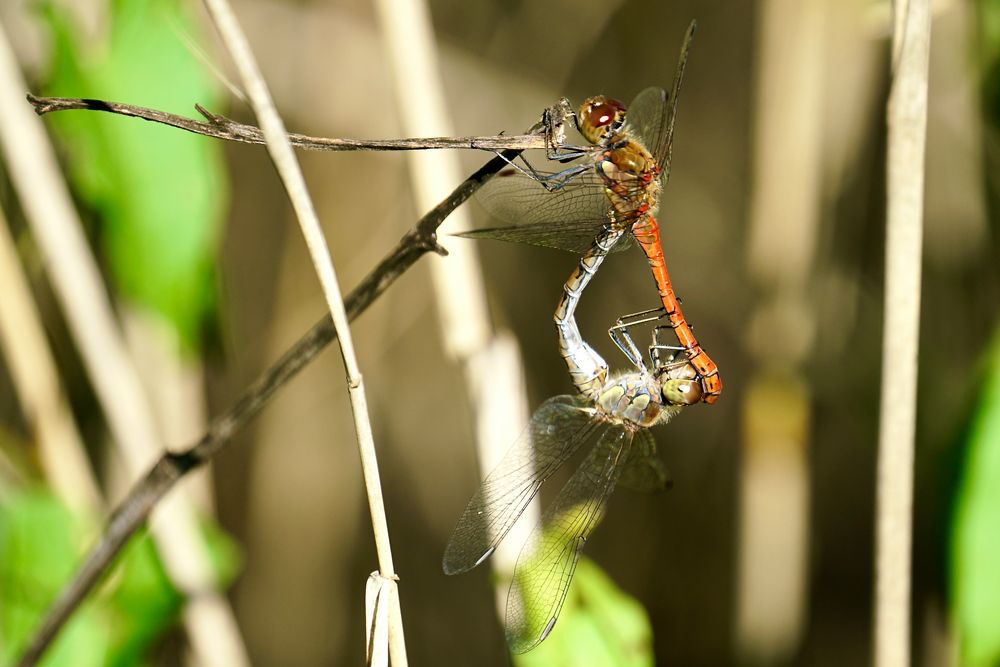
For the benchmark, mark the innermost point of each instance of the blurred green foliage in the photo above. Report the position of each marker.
(38, 553)
(975, 538)
(600, 626)
(975, 561)
(160, 193)
(40, 546)
(160, 198)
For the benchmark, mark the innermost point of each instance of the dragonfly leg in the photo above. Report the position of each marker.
(557, 180)
(658, 348)
(519, 168)
(623, 339)
(566, 153)
(643, 316)
(554, 120)
(551, 182)
(561, 179)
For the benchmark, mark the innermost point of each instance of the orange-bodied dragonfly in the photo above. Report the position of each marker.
(614, 183)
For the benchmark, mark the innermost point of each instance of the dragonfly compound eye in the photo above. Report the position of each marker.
(681, 392)
(599, 118)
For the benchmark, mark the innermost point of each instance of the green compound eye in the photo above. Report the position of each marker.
(681, 392)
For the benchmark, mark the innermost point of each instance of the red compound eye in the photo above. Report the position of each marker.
(604, 113)
(599, 117)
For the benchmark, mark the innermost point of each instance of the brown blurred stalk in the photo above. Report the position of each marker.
(784, 218)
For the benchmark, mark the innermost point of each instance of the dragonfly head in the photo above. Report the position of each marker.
(679, 384)
(600, 118)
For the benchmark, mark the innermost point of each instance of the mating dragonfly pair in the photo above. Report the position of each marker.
(603, 196)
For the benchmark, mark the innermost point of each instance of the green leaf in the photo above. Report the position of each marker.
(41, 545)
(144, 603)
(975, 541)
(161, 193)
(38, 552)
(599, 626)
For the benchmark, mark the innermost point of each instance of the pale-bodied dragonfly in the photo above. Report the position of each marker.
(609, 419)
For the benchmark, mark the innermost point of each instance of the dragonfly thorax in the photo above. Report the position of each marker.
(630, 179)
(635, 399)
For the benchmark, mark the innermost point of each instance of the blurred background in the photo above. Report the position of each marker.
(773, 222)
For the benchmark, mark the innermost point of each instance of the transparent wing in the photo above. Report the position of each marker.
(555, 431)
(643, 470)
(566, 219)
(647, 119)
(652, 113)
(546, 564)
(570, 237)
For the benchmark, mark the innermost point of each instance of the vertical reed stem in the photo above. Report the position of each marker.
(907, 124)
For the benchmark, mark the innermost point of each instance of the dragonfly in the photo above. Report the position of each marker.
(615, 182)
(609, 418)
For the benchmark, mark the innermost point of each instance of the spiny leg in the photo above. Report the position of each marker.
(551, 182)
(623, 339)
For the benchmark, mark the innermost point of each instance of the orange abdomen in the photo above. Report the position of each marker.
(647, 234)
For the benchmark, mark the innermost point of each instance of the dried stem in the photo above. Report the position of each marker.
(490, 360)
(133, 511)
(221, 127)
(35, 377)
(907, 128)
(287, 165)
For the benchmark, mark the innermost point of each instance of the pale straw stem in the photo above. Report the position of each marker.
(35, 378)
(493, 373)
(907, 125)
(290, 173)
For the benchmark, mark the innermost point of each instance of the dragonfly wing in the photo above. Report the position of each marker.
(555, 431)
(546, 564)
(643, 469)
(568, 218)
(575, 237)
(652, 113)
(647, 118)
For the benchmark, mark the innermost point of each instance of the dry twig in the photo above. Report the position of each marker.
(221, 127)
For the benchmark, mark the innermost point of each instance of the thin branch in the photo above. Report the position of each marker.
(133, 511)
(221, 127)
(784, 207)
(907, 130)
